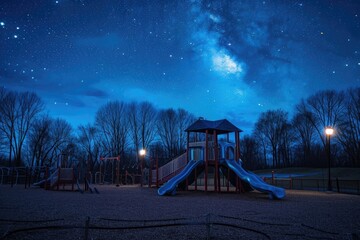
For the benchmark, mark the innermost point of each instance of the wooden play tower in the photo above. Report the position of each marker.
(203, 142)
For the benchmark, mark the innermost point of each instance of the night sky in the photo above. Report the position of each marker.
(216, 59)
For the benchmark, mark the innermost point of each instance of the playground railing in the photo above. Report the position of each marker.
(10, 175)
(170, 168)
(21, 175)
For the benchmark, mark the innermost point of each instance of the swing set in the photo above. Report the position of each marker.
(109, 171)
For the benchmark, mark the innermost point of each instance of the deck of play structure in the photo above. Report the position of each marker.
(209, 146)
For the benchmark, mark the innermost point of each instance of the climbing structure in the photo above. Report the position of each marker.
(209, 146)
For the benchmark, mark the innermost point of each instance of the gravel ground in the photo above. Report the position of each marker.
(131, 212)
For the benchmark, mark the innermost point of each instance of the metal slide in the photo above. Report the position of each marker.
(169, 188)
(255, 181)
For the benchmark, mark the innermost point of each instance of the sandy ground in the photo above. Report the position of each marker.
(127, 212)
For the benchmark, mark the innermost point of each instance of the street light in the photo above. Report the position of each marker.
(142, 154)
(329, 131)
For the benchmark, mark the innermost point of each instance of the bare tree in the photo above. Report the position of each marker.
(30, 105)
(250, 153)
(325, 108)
(167, 130)
(147, 123)
(134, 120)
(349, 130)
(89, 142)
(304, 132)
(61, 134)
(8, 112)
(184, 120)
(273, 126)
(3, 139)
(18, 110)
(48, 138)
(39, 139)
(142, 119)
(171, 125)
(261, 142)
(112, 122)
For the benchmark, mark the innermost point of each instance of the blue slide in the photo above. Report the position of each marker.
(255, 181)
(170, 186)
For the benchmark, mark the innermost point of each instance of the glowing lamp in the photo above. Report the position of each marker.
(329, 131)
(142, 152)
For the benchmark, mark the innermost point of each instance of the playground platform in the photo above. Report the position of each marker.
(131, 212)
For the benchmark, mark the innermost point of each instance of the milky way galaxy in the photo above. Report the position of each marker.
(217, 59)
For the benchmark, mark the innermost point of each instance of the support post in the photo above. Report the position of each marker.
(206, 159)
(157, 171)
(228, 180)
(58, 181)
(46, 178)
(150, 172)
(195, 179)
(73, 179)
(117, 171)
(329, 186)
(26, 176)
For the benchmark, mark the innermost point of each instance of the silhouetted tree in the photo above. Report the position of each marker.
(272, 126)
(89, 142)
(4, 147)
(112, 122)
(250, 153)
(349, 129)
(39, 139)
(142, 118)
(304, 132)
(184, 119)
(148, 115)
(168, 131)
(8, 116)
(18, 110)
(134, 120)
(324, 108)
(48, 139)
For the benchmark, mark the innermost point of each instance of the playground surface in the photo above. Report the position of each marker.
(131, 212)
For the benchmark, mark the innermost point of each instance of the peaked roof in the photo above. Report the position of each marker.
(221, 126)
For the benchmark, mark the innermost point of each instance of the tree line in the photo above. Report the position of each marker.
(29, 136)
(280, 141)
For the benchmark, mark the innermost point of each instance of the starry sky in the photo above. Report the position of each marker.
(217, 59)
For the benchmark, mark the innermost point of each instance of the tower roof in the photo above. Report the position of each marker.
(221, 126)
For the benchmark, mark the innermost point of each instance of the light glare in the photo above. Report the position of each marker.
(329, 131)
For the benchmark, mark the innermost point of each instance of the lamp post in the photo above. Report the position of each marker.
(142, 154)
(329, 131)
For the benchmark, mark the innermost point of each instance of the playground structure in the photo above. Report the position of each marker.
(205, 151)
(109, 171)
(63, 174)
(68, 174)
